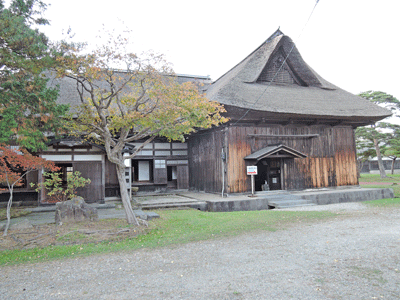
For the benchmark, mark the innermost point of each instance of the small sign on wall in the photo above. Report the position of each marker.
(251, 170)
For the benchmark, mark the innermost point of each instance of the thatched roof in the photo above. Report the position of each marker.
(68, 93)
(260, 83)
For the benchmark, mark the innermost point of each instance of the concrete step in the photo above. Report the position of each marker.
(287, 200)
(53, 207)
(281, 205)
(192, 204)
(270, 193)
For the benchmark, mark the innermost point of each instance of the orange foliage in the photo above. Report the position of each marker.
(15, 164)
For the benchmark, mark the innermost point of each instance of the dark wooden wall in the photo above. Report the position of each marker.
(94, 192)
(111, 177)
(205, 165)
(183, 177)
(331, 157)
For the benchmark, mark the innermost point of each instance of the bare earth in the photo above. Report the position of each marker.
(73, 233)
(354, 257)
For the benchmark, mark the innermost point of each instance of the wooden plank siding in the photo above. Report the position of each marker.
(238, 147)
(93, 170)
(345, 157)
(205, 164)
(183, 175)
(330, 161)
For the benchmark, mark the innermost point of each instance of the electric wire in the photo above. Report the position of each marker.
(283, 63)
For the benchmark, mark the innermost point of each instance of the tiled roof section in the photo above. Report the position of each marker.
(312, 95)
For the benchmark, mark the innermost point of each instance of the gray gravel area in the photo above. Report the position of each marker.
(347, 257)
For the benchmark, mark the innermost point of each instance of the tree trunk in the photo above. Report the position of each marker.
(360, 164)
(380, 162)
(393, 161)
(126, 201)
(9, 204)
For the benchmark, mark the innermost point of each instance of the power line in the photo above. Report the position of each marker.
(283, 63)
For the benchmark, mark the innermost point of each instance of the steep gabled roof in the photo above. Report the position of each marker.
(274, 78)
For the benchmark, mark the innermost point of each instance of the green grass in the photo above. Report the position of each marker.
(391, 202)
(174, 227)
(377, 178)
(394, 179)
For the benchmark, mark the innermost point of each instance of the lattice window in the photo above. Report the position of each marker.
(279, 67)
(279, 71)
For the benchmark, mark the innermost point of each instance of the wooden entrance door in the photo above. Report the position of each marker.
(274, 174)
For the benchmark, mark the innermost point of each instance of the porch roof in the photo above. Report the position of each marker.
(272, 151)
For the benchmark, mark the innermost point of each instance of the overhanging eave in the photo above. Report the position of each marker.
(275, 151)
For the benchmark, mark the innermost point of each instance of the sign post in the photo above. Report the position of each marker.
(252, 170)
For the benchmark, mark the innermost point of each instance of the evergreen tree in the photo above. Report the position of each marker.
(28, 108)
(370, 139)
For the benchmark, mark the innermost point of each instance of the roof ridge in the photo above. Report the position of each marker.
(277, 33)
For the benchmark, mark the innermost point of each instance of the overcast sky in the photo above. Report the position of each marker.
(351, 43)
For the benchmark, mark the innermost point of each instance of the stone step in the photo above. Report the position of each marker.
(270, 193)
(279, 205)
(288, 200)
(196, 205)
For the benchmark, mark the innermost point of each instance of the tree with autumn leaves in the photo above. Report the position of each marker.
(128, 98)
(15, 164)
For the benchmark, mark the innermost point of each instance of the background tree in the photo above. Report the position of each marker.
(376, 134)
(368, 140)
(14, 166)
(392, 145)
(365, 147)
(28, 108)
(139, 102)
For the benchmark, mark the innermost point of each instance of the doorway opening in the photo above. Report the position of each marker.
(269, 174)
(172, 177)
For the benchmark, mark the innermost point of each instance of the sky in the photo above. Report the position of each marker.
(351, 43)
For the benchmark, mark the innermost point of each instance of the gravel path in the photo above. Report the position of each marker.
(353, 257)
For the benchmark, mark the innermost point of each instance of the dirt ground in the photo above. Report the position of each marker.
(353, 257)
(68, 234)
(377, 183)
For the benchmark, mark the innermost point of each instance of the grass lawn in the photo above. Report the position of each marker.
(391, 202)
(376, 180)
(174, 227)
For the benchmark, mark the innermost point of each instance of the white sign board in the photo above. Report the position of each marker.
(251, 170)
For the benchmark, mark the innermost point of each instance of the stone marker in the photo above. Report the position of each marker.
(75, 210)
